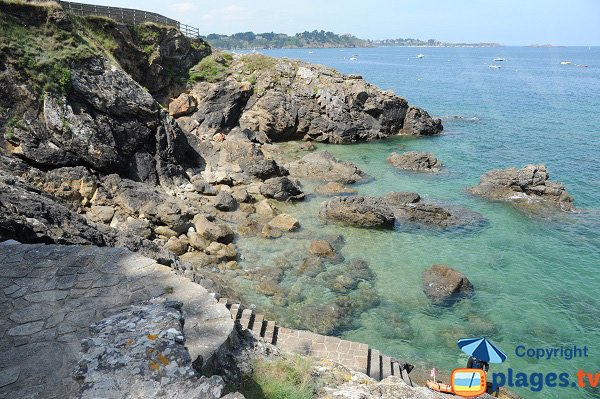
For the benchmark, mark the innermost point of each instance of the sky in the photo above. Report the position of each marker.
(509, 22)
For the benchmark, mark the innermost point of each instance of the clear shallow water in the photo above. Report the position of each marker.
(537, 280)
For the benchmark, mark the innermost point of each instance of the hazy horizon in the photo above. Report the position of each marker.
(508, 22)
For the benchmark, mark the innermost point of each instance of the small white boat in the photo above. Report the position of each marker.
(310, 52)
(353, 59)
(582, 65)
(495, 66)
(499, 59)
(420, 55)
(565, 63)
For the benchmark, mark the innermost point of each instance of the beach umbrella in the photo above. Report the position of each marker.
(482, 349)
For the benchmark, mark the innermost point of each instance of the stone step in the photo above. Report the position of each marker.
(406, 377)
(396, 369)
(269, 331)
(374, 364)
(246, 318)
(386, 367)
(236, 310)
(257, 325)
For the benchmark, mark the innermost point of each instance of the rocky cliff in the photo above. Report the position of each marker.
(289, 99)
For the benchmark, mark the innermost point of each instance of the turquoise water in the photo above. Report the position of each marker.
(537, 279)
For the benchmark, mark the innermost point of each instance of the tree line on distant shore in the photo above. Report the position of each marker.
(317, 39)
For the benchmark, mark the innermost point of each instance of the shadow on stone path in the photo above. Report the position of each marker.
(50, 294)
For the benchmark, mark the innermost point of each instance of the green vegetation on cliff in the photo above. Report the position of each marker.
(287, 377)
(314, 39)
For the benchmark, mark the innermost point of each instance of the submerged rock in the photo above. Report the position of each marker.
(444, 285)
(359, 211)
(322, 165)
(332, 189)
(523, 186)
(322, 249)
(415, 161)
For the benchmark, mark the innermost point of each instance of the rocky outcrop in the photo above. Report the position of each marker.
(529, 186)
(358, 211)
(406, 208)
(415, 161)
(293, 100)
(321, 165)
(444, 285)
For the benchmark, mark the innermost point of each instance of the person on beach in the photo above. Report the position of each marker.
(474, 363)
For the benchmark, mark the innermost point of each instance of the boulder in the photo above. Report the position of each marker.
(415, 161)
(264, 208)
(418, 123)
(282, 189)
(523, 186)
(322, 249)
(197, 242)
(103, 214)
(444, 285)
(359, 211)
(165, 231)
(177, 246)
(224, 201)
(284, 222)
(333, 189)
(213, 231)
(222, 252)
(322, 165)
(182, 105)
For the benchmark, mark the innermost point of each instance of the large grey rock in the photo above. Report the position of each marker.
(529, 186)
(282, 189)
(141, 352)
(415, 161)
(224, 201)
(322, 165)
(444, 285)
(213, 231)
(359, 211)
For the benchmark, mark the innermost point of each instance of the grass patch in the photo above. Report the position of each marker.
(42, 52)
(287, 377)
(257, 62)
(213, 68)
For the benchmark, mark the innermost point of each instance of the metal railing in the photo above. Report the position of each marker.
(128, 16)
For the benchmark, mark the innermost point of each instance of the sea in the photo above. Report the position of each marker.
(536, 277)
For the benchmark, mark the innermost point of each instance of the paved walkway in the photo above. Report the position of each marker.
(354, 355)
(50, 294)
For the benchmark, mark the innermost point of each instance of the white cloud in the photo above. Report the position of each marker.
(182, 7)
(231, 13)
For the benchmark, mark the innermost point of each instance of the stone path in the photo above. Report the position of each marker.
(354, 355)
(51, 294)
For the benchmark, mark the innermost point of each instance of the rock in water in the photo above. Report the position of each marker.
(419, 123)
(415, 161)
(322, 249)
(359, 211)
(284, 222)
(322, 165)
(444, 285)
(332, 189)
(282, 189)
(519, 186)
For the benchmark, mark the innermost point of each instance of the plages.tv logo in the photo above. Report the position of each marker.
(470, 381)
